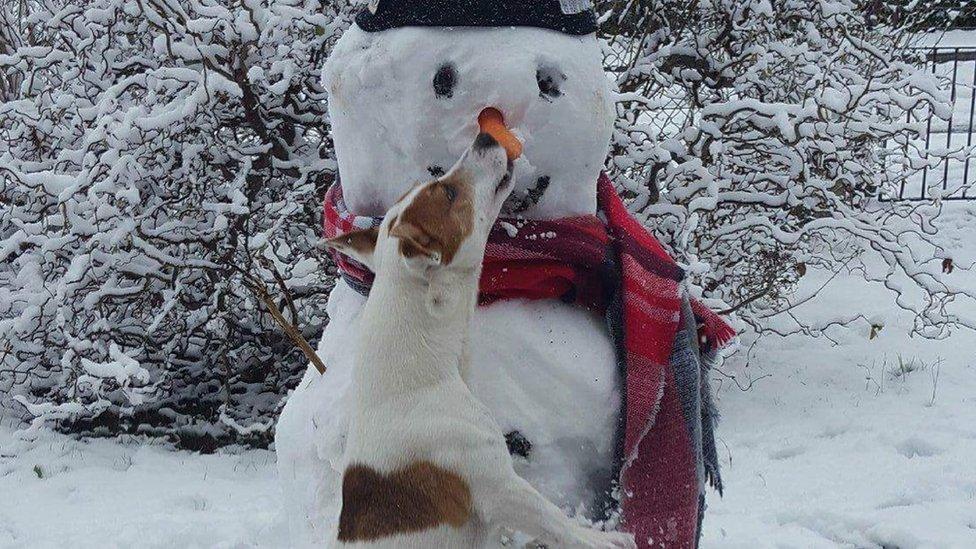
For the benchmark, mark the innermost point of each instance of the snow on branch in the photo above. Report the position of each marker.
(155, 158)
(756, 138)
(160, 160)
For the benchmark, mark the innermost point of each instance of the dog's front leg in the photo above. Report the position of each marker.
(519, 507)
(464, 362)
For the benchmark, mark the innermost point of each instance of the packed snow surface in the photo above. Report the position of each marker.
(59, 492)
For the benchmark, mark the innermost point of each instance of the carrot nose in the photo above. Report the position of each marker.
(492, 122)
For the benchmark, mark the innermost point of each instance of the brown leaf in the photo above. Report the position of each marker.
(947, 265)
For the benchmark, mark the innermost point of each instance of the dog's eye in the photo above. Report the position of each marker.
(451, 193)
(445, 80)
(550, 79)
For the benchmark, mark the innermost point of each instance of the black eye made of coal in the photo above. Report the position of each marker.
(445, 80)
(550, 80)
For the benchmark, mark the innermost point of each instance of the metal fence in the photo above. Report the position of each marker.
(954, 176)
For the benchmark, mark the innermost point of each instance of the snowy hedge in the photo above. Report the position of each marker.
(158, 160)
(755, 138)
(162, 164)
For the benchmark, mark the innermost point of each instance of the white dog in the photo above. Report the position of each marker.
(425, 464)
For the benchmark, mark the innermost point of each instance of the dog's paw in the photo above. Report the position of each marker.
(585, 538)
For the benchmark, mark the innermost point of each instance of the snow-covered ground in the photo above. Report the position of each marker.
(867, 443)
(958, 38)
(58, 492)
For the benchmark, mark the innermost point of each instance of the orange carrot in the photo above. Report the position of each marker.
(492, 122)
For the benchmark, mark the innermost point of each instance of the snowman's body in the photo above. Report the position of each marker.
(404, 103)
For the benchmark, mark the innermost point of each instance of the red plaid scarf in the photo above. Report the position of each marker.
(616, 267)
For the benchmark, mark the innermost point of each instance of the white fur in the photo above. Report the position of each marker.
(409, 401)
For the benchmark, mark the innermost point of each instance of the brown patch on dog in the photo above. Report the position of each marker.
(406, 192)
(437, 221)
(362, 241)
(415, 498)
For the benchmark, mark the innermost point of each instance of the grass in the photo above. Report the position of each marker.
(905, 367)
(902, 368)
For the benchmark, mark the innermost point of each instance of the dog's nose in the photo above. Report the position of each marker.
(484, 141)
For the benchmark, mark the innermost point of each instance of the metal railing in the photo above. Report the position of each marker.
(954, 176)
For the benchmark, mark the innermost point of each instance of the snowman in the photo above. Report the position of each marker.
(586, 348)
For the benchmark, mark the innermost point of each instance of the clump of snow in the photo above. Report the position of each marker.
(122, 367)
(512, 230)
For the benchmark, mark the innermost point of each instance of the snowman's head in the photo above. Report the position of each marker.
(406, 84)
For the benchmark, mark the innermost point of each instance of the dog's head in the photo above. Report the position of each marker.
(440, 224)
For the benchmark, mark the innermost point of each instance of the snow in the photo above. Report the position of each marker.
(959, 38)
(830, 446)
(955, 176)
(60, 492)
(390, 127)
(951, 178)
(842, 440)
(575, 6)
(864, 444)
(122, 367)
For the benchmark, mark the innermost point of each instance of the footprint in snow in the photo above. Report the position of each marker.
(192, 502)
(833, 431)
(900, 501)
(916, 447)
(787, 453)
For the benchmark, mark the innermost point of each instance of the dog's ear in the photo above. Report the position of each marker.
(359, 245)
(416, 243)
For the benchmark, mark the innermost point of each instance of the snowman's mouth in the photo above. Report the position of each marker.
(505, 181)
(522, 201)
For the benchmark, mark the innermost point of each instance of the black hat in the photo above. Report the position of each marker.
(569, 16)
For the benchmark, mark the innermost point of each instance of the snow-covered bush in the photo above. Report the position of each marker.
(162, 164)
(160, 160)
(925, 15)
(755, 137)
